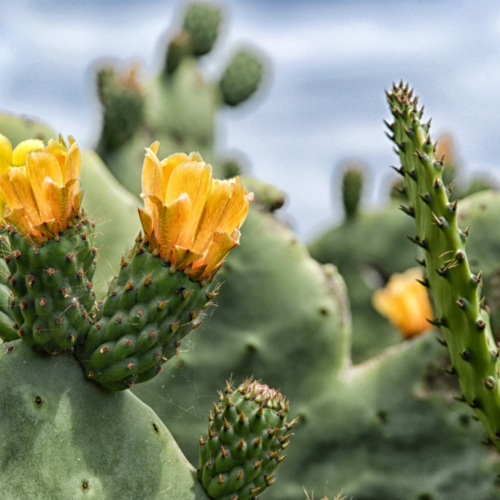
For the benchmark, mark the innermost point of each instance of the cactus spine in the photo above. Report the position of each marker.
(456, 291)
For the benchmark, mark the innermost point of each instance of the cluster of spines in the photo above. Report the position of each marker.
(246, 434)
(456, 291)
(150, 307)
(52, 296)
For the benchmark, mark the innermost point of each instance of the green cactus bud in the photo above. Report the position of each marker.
(202, 24)
(123, 106)
(149, 309)
(246, 436)
(52, 287)
(352, 185)
(241, 78)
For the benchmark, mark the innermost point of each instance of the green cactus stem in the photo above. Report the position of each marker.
(456, 291)
(246, 434)
(352, 185)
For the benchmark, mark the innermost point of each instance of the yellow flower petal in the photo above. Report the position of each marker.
(405, 303)
(71, 170)
(25, 194)
(55, 196)
(168, 165)
(172, 219)
(9, 192)
(5, 154)
(146, 221)
(236, 208)
(211, 216)
(221, 245)
(23, 149)
(152, 183)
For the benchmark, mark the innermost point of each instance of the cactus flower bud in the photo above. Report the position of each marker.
(405, 302)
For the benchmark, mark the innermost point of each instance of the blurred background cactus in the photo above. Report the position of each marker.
(179, 106)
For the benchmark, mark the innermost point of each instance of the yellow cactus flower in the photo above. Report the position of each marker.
(191, 220)
(41, 194)
(405, 302)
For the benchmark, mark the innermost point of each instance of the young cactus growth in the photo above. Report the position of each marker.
(246, 434)
(191, 222)
(51, 259)
(456, 291)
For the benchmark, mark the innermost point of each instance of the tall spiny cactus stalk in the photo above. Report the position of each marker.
(456, 291)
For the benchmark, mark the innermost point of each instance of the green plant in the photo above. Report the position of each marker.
(456, 290)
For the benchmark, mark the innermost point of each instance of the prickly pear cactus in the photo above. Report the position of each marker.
(178, 107)
(64, 437)
(246, 434)
(359, 249)
(393, 416)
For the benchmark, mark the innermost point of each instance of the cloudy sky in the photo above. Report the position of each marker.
(323, 102)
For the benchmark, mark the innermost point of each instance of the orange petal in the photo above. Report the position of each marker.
(221, 245)
(55, 196)
(183, 257)
(25, 194)
(72, 164)
(19, 220)
(156, 209)
(152, 183)
(188, 177)
(72, 195)
(22, 150)
(211, 216)
(5, 154)
(172, 219)
(236, 209)
(168, 165)
(9, 192)
(146, 221)
(59, 150)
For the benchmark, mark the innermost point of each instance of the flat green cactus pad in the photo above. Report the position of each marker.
(64, 437)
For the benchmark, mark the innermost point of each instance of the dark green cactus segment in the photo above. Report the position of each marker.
(241, 78)
(456, 291)
(53, 299)
(247, 433)
(123, 106)
(150, 307)
(202, 24)
(352, 184)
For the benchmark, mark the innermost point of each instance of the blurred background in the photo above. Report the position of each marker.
(322, 101)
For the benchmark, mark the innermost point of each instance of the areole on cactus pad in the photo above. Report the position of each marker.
(191, 222)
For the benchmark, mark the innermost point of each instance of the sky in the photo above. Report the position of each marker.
(322, 100)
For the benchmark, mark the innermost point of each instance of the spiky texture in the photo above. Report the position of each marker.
(456, 291)
(247, 432)
(52, 287)
(150, 307)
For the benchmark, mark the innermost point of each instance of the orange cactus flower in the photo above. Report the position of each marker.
(191, 220)
(405, 302)
(39, 187)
